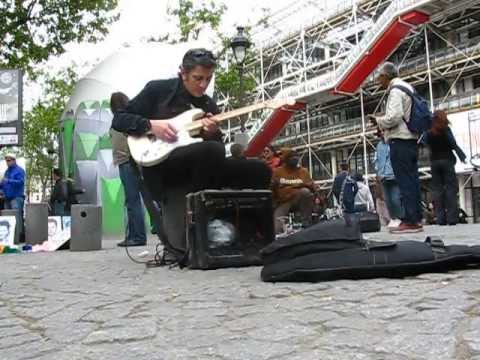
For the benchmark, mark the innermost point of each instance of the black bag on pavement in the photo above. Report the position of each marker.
(369, 222)
(333, 235)
(373, 260)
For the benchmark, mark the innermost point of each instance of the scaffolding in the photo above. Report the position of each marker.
(310, 62)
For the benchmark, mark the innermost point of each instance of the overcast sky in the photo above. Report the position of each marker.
(141, 19)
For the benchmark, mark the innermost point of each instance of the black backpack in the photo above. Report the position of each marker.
(347, 194)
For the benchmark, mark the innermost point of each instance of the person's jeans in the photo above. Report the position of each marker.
(445, 191)
(404, 157)
(393, 199)
(16, 203)
(135, 227)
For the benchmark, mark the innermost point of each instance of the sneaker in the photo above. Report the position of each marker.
(394, 223)
(129, 243)
(405, 228)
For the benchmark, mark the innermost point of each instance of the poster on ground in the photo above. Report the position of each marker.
(7, 230)
(58, 231)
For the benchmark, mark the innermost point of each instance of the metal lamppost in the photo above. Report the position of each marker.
(51, 154)
(240, 45)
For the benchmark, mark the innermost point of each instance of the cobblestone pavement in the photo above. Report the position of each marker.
(101, 305)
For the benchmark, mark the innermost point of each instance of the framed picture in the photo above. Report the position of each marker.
(7, 230)
(57, 236)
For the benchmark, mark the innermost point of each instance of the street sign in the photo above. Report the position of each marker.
(11, 96)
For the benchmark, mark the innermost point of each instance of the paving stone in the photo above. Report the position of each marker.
(100, 305)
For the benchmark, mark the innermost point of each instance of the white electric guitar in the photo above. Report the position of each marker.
(148, 150)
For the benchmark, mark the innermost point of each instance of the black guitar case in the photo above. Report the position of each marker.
(335, 255)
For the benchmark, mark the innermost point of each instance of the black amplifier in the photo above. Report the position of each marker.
(228, 228)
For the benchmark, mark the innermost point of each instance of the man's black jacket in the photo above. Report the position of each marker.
(159, 100)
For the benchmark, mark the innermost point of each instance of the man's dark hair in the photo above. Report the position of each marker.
(358, 176)
(57, 172)
(5, 223)
(344, 166)
(200, 56)
(237, 150)
(272, 148)
(118, 101)
(53, 221)
(389, 70)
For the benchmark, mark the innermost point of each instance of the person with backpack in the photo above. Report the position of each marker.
(338, 181)
(404, 120)
(363, 200)
(345, 189)
(441, 143)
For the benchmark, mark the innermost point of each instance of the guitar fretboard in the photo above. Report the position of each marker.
(197, 124)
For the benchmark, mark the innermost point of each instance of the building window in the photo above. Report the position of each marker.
(476, 82)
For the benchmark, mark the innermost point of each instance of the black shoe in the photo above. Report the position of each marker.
(129, 243)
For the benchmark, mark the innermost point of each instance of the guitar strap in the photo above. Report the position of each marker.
(154, 211)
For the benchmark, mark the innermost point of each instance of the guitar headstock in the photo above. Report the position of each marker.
(278, 103)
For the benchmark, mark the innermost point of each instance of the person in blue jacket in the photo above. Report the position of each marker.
(13, 187)
(386, 177)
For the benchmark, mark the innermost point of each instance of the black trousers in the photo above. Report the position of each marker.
(203, 166)
(196, 167)
(445, 191)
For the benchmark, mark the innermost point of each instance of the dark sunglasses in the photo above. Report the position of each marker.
(8, 159)
(202, 53)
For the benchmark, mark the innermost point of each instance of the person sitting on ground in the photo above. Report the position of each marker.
(270, 157)
(363, 198)
(293, 189)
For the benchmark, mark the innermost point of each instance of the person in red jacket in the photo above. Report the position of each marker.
(293, 189)
(270, 157)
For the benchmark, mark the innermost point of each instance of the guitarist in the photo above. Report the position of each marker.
(197, 166)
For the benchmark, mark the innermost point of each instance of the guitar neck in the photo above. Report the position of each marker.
(197, 124)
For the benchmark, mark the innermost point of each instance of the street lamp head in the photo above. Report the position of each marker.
(240, 45)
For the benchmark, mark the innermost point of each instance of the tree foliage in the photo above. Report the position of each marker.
(227, 78)
(42, 126)
(32, 30)
(192, 19)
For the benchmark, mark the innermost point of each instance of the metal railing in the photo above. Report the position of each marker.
(396, 8)
(354, 125)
